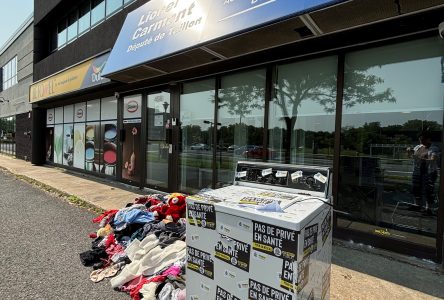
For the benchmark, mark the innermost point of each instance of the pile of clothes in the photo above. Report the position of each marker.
(142, 248)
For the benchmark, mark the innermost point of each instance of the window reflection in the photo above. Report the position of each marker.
(302, 113)
(392, 140)
(197, 119)
(240, 122)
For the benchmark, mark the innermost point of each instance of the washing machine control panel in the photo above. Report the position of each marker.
(310, 179)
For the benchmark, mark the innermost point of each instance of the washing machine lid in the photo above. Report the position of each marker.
(294, 179)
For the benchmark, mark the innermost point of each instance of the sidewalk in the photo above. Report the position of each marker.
(356, 273)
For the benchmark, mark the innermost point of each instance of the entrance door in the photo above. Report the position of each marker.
(130, 139)
(158, 148)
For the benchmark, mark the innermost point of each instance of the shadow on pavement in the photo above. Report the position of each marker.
(425, 280)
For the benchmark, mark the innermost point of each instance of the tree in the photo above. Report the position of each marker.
(320, 86)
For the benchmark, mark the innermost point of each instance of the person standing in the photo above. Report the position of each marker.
(425, 172)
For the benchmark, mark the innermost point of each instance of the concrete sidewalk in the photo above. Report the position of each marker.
(357, 272)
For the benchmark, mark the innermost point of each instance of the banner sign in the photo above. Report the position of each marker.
(81, 76)
(164, 27)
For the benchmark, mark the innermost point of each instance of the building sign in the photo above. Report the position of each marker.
(81, 76)
(163, 27)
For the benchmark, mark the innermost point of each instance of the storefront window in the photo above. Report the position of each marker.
(7, 135)
(195, 149)
(392, 141)
(240, 121)
(302, 113)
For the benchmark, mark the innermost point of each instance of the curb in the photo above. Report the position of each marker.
(72, 199)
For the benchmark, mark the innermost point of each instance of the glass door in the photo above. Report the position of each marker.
(158, 148)
(130, 139)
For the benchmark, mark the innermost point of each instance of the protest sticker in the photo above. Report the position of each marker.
(200, 261)
(201, 215)
(260, 291)
(287, 280)
(303, 273)
(273, 240)
(326, 227)
(311, 239)
(222, 294)
(234, 252)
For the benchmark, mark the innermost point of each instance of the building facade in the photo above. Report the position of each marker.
(16, 66)
(191, 88)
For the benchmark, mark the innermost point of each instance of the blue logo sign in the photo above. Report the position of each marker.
(160, 28)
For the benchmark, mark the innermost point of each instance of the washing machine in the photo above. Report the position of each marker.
(266, 236)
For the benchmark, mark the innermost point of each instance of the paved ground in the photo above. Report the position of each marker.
(41, 238)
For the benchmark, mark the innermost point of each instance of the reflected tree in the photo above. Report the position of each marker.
(320, 87)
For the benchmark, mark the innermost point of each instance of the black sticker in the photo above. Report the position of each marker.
(311, 239)
(233, 252)
(326, 283)
(202, 215)
(287, 281)
(260, 291)
(200, 262)
(276, 241)
(222, 294)
(303, 273)
(326, 227)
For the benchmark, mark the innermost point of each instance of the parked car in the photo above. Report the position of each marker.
(258, 153)
(232, 148)
(241, 150)
(200, 147)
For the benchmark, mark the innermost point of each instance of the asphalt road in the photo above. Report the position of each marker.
(41, 238)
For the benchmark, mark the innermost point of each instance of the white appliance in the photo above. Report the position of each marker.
(239, 250)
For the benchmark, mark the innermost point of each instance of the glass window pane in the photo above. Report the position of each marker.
(68, 144)
(61, 34)
(97, 11)
(302, 113)
(109, 108)
(392, 140)
(93, 110)
(112, 6)
(158, 114)
(84, 17)
(197, 119)
(126, 2)
(72, 26)
(240, 124)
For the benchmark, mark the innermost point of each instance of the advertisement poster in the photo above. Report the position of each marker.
(68, 145)
(92, 147)
(303, 273)
(131, 152)
(233, 252)
(79, 145)
(277, 241)
(259, 291)
(109, 153)
(58, 144)
(201, 215)
(49, 138)
(200, 261)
